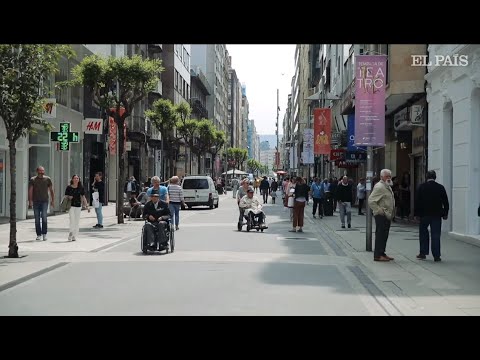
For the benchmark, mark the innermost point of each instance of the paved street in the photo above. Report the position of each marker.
(216, 270)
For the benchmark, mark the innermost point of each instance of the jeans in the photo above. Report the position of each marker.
(360, 205)
(317, 202)
(175, 211)
(40, 209)
(345, 207)
(435, 223)
(99, 213)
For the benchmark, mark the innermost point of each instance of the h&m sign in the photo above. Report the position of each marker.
(93, 126)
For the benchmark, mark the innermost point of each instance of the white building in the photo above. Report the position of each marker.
(267, 158)
(453, 95)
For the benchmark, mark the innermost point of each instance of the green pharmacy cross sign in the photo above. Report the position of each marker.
(64, 136)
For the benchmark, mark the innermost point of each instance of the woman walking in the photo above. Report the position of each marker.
(175, 193)
(301, 196)
(76, 193)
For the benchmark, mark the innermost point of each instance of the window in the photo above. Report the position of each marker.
(40, 138)
(191, 184)
(39, 156)
(176, 80)
(62, 75)
(76, 158)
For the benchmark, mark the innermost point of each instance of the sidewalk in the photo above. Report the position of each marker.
(58, 228)
(418, 287)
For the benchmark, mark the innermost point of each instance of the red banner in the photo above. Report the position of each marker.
(322, 129)
(112, 136)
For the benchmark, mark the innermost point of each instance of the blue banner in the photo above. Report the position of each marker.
(351, 135)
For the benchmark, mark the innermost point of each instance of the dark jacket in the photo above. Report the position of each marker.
(344, 193)
(301, 190)
(162, 210)
(264, 185)
(432, 200)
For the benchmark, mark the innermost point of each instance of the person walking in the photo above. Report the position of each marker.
(344, 194)
(76, 193)
(317, 195)
(301, 195)
(431, 206)
(361, 193)
(99, 189)
(38, 190)
(175, 193)
(156, 188)
(264, 189)
(382, 203)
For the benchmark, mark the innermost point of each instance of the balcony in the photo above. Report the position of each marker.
(155, 47)
(198, 108)
(158, 89)
(136, 128)
(346, 105)
(405, 81)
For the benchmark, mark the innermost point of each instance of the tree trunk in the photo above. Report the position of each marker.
(12, 246)
(121, 166)
(199, 169)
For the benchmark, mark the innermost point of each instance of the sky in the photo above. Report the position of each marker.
(264, 69)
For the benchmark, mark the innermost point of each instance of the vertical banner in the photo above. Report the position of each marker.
(308, 157)
(351, 135)
(322, 130)
(112, 136)
(370, 84)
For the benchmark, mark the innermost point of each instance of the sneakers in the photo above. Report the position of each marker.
(39, 237)
(44, 237)
(349, 226)
(343, 226)
(98, 226)
(73, 238)
(70, 236)
(421, 256)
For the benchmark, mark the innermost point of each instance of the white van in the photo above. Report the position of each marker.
(199, 190)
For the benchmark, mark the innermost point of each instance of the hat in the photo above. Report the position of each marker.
(250, 189)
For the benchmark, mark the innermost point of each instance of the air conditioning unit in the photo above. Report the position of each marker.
(416, 114)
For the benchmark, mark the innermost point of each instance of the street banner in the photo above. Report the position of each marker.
(308, 157)
(351, 135)
(322, 130)
(370, 84)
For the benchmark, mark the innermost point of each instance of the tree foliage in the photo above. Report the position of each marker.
(117, 85)
(24, 73)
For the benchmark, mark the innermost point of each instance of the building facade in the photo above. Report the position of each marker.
(453, 95)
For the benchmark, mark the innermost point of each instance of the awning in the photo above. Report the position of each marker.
(316, 96)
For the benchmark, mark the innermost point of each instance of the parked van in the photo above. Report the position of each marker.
(200, 190)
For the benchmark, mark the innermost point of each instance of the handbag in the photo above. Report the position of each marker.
(291, 202)
(96, 200)
(66, 204)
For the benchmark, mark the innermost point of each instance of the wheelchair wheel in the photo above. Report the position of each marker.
(172, 239)
(143, 245)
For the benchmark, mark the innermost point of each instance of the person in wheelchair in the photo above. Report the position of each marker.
(156, 212)
(252, 207)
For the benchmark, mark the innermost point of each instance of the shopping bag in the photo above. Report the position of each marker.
(95, 201)
(65, 205)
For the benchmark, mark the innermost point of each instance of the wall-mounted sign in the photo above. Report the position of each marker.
(50, 109)
(93, 126)
(64, 136)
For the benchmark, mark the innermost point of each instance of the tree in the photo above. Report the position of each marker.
(253, 165)
(24, 70)
(206, 137)
(238, 156)
(117, 85)
(164, 117)
(187, 128)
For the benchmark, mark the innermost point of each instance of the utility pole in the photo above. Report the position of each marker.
(277, 153)
(368, 185)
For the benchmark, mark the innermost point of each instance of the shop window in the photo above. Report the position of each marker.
(38, 156)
